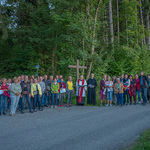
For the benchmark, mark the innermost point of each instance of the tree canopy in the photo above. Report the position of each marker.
(108, 36)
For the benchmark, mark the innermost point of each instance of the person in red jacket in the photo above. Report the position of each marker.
(138, 88)
(62, 91)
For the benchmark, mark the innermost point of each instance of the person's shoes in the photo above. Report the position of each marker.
(58, 105)
(107, 105)
(139, 102)
(135, 103)
(52, 107)
(4, 113)
(110, 105)
(116, 104)
(67, 105)
(40, 109)
(130, 103)
(31, 111)
(34, 110)
(55, 106)
(70, 105)
(0, 113)
(61, 105)
(22, 112)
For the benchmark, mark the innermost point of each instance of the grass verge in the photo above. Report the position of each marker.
(143, 143)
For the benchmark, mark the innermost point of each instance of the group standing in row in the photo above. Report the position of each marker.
(43, 92)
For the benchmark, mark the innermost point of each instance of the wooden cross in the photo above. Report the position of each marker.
(77, 67)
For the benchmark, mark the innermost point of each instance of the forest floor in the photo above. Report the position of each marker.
(75, 128)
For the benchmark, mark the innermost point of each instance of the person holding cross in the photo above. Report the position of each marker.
(81, 88)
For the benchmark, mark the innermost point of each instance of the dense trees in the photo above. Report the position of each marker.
(108, 36)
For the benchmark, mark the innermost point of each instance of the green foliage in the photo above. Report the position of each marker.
(57, 33)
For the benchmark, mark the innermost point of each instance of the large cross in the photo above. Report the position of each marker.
(77, 67)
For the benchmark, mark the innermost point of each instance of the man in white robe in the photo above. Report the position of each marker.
(81, 88)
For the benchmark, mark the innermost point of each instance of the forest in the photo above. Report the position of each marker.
(108, 36)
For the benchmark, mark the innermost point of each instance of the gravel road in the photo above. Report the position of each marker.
(74, 128)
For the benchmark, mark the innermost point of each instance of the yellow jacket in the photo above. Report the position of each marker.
(33, 88)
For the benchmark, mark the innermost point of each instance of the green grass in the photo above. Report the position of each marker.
(143, 143)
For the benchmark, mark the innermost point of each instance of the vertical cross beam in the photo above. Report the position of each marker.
(77, 69)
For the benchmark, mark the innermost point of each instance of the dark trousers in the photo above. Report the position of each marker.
(23, 102)
(49, 97)
(37, 98)
(144, 94)
(54, 98)
(148, 93)
(126, 95)
(133, 94)
(119, 98)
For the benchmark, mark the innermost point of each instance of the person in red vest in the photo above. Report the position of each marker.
(62, 91)
(132, 90)
(81, 88)
(4, 96)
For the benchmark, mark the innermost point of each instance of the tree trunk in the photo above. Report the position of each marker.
(118, 21)
(141, 19)
(93, 37)
(83, 58)
(111, 22)
(53, 57)
(148, 28)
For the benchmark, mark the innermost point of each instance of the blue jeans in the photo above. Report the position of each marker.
(37, 98)
(54, 97)
(14, 103)
(23, 101)
(49, 97)
(109, 95)
(138, 93)
(144, 94)
(126, 93)
(3, 102)
(119, 98)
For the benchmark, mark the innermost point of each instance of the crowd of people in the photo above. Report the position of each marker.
(37, 93)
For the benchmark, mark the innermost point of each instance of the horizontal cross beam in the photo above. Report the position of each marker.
(80, 67)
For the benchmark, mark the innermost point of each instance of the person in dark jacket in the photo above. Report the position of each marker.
(26, 93)
(148, 92)
(144, 82)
